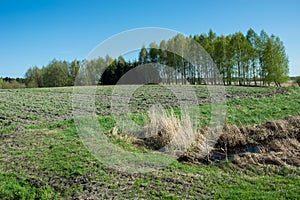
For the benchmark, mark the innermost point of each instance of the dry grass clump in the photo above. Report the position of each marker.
(161, 130)
(119, 135)
(165, 133)
(169, 134)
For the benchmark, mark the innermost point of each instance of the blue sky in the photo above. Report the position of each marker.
(33, 32)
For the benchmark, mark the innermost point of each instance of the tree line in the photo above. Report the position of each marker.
(55, 74)
(251, 59)
(12, 83)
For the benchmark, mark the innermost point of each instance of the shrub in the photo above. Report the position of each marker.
(11, 85)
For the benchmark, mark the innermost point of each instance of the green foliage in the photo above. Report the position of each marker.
(10, 84)
(55, 74)
(14, 187)
(114, 71)
(275, 61)
(34, 77)
(143, 56)
(249, 59)
(8, 129)
(92, 70)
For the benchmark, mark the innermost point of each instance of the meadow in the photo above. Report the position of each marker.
(42, 155)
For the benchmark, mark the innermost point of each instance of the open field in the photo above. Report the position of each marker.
(43, 157)
(22, 107)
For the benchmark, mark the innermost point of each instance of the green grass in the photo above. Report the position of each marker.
(258, 110)
(57, 157)
(49, 161)
(42, 105)
(14, 187)
(8, 129)
(248, 111)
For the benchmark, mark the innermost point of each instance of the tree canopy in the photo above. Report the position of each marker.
(251, 59)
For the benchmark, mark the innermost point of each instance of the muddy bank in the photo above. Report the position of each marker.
(275, 142)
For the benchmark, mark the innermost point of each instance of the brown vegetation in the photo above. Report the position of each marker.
(274, 142)
(167, 133)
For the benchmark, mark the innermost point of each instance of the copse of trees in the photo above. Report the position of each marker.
(251, 59)
(243, 59)
(108, 71)
(12, 83)
(55, 74)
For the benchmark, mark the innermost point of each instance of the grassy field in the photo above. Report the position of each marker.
(43, 157)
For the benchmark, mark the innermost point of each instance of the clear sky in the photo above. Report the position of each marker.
(34, 32)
